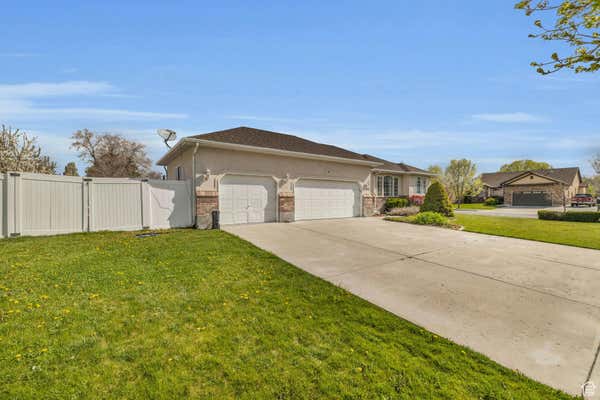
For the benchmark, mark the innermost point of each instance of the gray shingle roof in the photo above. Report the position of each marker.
(274, 140)
(280, 141)
(496, 179)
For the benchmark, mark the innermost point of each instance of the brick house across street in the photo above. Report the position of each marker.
(539, 188)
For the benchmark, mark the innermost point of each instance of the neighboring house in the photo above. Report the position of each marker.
(546, 187)
(252, 175)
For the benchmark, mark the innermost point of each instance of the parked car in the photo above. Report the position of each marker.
(583, 200)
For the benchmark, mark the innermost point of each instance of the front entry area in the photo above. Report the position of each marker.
(318, 199)
(247, 199)
(532, 198)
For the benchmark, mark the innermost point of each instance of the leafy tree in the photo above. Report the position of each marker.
(460, 179)
(71, 169)
(110, 155)
(435, 169)
(593, 185)
(524, 165)
(576, 23)
(20, 152)
(437, 200)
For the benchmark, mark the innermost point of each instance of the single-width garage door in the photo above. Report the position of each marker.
(315, 199)
(538, 198)
(247, 199)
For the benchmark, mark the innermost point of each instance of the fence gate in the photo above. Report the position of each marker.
(36, 204)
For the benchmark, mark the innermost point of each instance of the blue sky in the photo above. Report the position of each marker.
(419, 82)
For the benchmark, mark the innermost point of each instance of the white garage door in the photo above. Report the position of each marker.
(317, 199)
(247, 199)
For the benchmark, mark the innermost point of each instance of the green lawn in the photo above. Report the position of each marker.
(581, 234)
(473, 206)
(203, 314)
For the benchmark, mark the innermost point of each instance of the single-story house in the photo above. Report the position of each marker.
(252, 175)
(544, 187)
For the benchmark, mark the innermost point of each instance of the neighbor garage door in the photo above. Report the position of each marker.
(541, 199)
(247, 199)
(315, 199)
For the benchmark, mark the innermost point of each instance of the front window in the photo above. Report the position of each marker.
(387, 186)
(421, 185)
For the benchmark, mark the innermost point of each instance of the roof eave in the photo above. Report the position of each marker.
(516, 178)
(392, 171)
(263, 150)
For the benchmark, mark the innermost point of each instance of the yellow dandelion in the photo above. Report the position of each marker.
(44, 350)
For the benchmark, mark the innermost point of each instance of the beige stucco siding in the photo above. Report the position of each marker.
(221, 162)
(183, 159)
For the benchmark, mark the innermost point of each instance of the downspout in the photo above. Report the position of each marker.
(193, 194)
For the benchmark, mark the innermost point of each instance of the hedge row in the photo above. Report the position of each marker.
(396, 202)
(574, 216)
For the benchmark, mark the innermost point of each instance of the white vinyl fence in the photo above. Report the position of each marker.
(35, 204)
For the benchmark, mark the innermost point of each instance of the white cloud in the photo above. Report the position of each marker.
(16, 102)
(38, 89)
(507, 117)
(245, 117)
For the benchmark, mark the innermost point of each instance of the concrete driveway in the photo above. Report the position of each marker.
(520, 212)
(530, 306)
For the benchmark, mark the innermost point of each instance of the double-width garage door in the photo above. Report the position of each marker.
(247, 199)
(316, 199)
(537, 198)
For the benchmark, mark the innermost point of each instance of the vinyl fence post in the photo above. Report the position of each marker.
(13, 203)
(91, 225)
(145, 199)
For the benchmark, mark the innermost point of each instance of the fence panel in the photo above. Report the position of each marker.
(115, 204)
(50, 204)
(36, 204)
(3, 216)
(170, 204)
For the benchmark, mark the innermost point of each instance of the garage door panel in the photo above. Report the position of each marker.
(532, 198)
(247, 199)
(317, 199)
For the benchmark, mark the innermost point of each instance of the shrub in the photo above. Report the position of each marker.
(430, 218)
(395, 202)
(573, 216)
(499, 199)
(490, 201)
(404, 211)
(436, 200)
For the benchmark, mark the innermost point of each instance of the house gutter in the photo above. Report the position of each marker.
(391, 171)
(193, 194)
(263, 150)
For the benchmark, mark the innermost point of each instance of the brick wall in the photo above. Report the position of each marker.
(286, 207)
(368, 205)
(206, 202)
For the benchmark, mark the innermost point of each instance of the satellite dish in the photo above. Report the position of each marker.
(168, 135)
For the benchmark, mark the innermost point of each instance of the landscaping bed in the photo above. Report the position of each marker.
(203, 314)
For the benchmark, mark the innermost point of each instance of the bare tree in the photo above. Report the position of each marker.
(20, 152)
(111, 155)
(596, 163)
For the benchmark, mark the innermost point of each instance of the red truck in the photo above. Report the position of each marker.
(583, 200)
